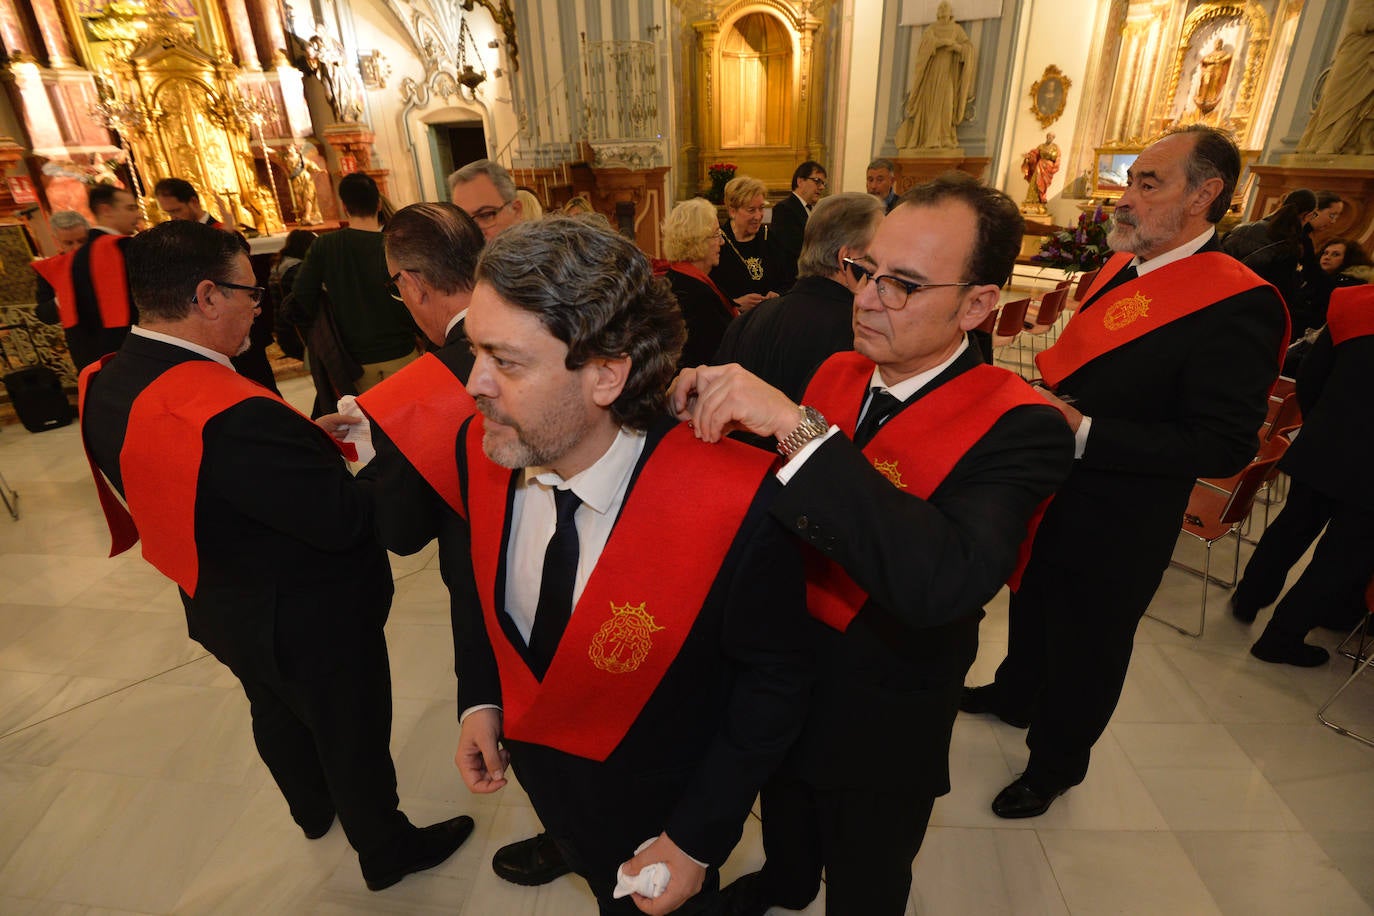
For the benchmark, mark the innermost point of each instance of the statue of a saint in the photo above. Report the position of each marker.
(300, 175)
(1213, 71)
(1344, 120)
(342, 85)
(1039, 167)
(941, 85)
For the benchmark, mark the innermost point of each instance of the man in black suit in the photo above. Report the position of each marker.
(788, 226)
(914, 505)
(250, 509)
(783, 340)
(880, 180)
(1329, 488)
(85, 290)
(179, 199)
(1164, 375)
(637, 651)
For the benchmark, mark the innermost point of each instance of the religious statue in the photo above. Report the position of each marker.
(1039, 167)
(300, 175)
(342, 84)
(1344, 120)
(942, 85)
(1213, 71)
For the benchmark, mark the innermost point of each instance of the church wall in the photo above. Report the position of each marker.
(1314, 46)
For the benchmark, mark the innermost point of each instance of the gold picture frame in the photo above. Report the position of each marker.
(1049, 94)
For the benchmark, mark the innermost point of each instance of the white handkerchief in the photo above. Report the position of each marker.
(651, 881)
(360, 434)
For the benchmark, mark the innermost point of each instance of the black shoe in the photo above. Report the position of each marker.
(422, 848)
(1241, 612)
(531, 862)
(1020, 800)
(318, 829)
(984, 700)
(1289, 652)
(742, 897)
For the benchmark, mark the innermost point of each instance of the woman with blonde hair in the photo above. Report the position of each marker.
(692, 240)
(748, 271)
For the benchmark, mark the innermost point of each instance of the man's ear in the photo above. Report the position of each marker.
(202, 301)
(982, 301)
(1206, 193)
(608, 378)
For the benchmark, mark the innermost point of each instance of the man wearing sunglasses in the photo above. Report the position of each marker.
(484, 191)
(250, 509)
(914, 473)
(790, 215)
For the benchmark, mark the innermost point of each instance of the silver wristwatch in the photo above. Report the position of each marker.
(812, 426)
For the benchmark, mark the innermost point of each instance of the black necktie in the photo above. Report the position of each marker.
(881, 405)
(1125, 275)
(556, 587)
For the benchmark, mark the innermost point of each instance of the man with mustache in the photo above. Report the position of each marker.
(1164, 375)
(636, 651)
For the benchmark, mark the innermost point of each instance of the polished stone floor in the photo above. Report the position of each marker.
(129, 783)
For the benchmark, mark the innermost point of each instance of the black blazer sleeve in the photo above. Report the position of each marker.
(929, 562)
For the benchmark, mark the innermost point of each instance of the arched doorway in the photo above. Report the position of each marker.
(756, 83)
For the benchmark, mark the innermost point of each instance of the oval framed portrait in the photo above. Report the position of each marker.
(1048, 95)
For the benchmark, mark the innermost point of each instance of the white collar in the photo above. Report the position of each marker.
(453, 322)
(1175, 254)
(185, 345)
(905, 389)
(597, 485)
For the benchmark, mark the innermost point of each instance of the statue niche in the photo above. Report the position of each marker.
(756, 83)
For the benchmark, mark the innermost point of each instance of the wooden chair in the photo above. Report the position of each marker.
(1081, 288)
(1010, 323)
(1046, 318)
(1215, 510)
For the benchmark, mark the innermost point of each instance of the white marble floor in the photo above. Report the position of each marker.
(129, 784)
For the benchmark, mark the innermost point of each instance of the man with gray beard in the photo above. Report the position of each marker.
(1164, 375)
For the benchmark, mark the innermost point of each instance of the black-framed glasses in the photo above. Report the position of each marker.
(391, 286)
(893, 292)
(487, 215)
(820, 181)
(254, 292)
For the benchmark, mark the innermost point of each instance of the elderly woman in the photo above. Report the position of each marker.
(748, 271)
(692, 240)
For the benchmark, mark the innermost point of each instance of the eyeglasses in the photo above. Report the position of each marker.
(820, 182)
(893, 292)
(487, 215)
(392, 288)
(255, 293)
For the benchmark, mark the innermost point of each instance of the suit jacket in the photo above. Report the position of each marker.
(928, 567)
(289, 569)
(89, 339)
(713, 730)
(409, 512)
(1183, 402)
(789, 226)
(1332, 453)
(783, 340)
(890, 200)
(705, 314)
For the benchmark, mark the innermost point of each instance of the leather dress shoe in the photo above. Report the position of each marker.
(1240, 612)
(1020, 800)
(1288, 652)
(421, 848)
(320, 828)
(984, 700)
(531, 862)
(742, 897)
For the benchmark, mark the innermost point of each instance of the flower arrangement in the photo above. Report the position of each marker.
(1081, 248)
(720, 174)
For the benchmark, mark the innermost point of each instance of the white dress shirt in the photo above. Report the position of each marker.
(184, 344)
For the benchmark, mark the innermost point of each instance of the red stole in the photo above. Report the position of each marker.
(421, 408)
(687, 268)
(57, 271)
(160, 461)
(1137, 307)
(1351, 313)
(915, 450)
(675, 528)
(108, 278)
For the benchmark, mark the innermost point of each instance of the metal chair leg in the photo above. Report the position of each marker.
(1341, 729)
(9, 497)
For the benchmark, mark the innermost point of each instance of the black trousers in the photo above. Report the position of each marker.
(1071, 634)
(1304, 515)
(326, 741)
(864, 838)
(1334, 582)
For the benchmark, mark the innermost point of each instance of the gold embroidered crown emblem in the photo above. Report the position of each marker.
(623, 641)
(1124, 311)
(889, 470)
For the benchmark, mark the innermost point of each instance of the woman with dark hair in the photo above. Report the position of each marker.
(1338, 255)
(1278, 248)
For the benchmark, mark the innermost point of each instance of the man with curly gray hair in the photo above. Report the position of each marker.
(634, 644)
